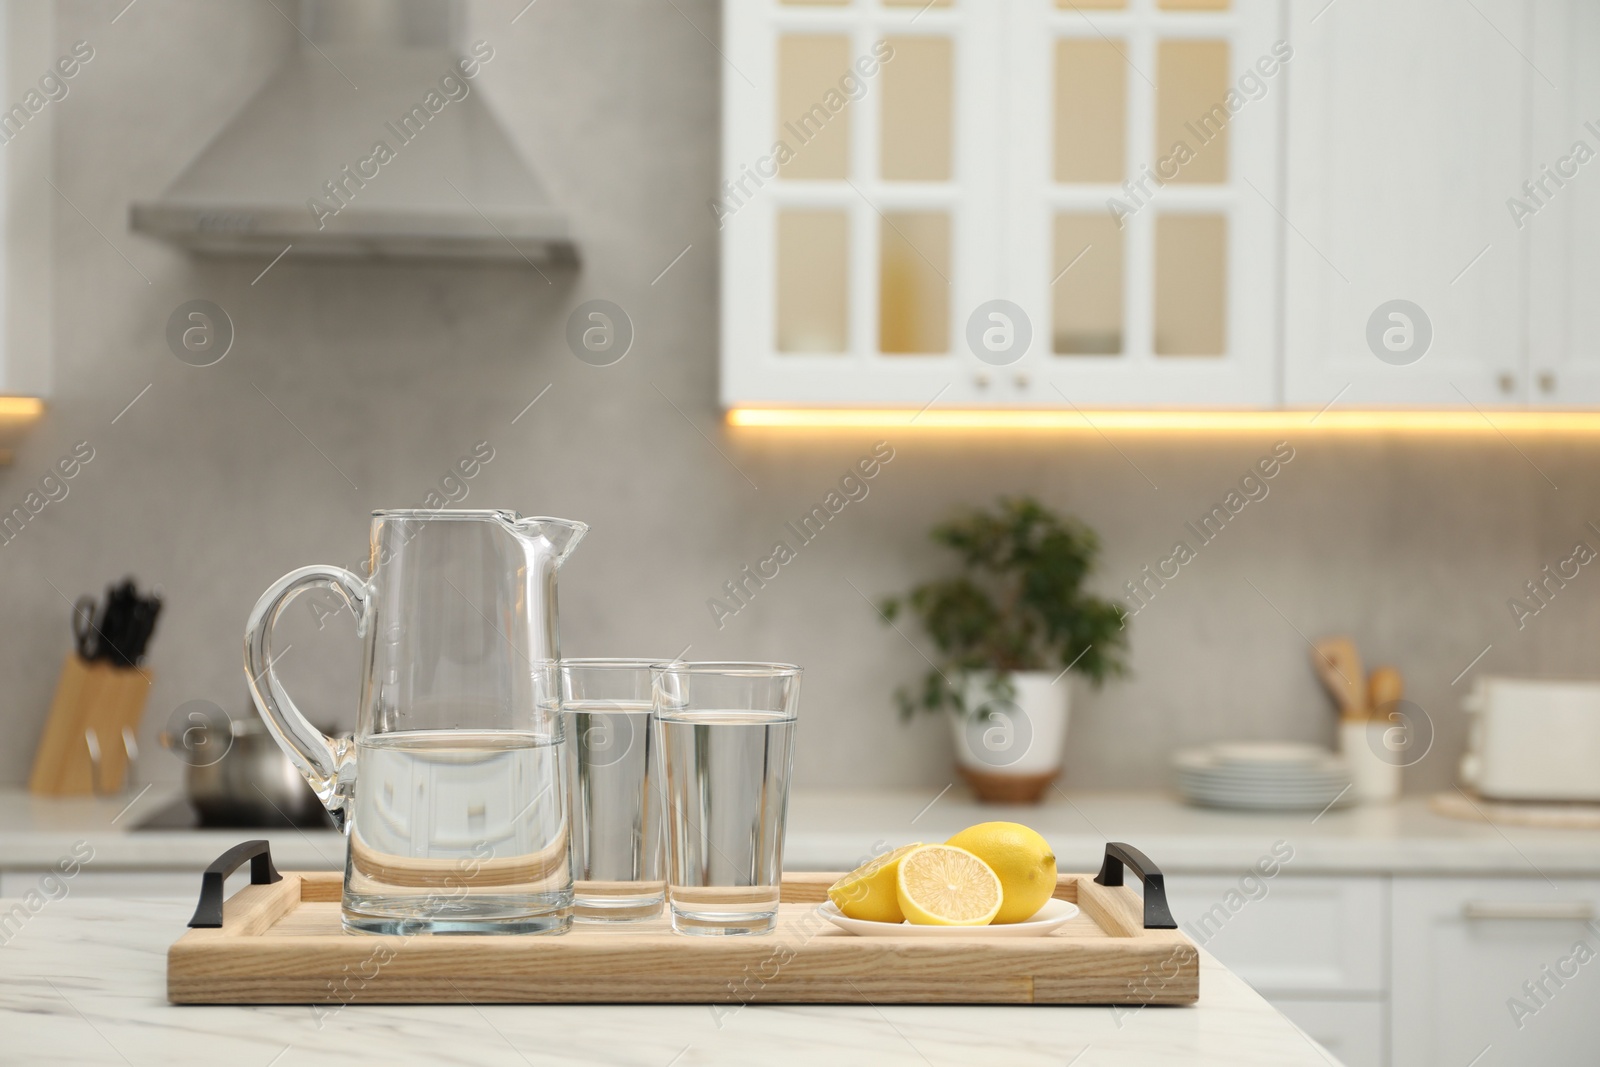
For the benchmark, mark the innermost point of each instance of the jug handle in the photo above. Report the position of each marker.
(325, 762)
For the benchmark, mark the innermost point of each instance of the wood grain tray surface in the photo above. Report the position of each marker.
(282, 943)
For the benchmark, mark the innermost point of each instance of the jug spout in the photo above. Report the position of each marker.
(562, 535)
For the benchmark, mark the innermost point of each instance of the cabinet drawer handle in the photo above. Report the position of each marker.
(1564, 910)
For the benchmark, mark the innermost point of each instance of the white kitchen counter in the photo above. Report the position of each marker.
(831, 830)
(1402, 838)
(83, 982)
(105, 956)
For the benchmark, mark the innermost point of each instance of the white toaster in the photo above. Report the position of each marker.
(1533, 740)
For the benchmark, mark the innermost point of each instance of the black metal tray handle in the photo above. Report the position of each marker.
(208, 914)
(1157, 916)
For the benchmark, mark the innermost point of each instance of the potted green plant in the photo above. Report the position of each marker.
(1009, 630)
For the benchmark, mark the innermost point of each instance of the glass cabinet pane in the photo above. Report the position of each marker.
(918, 3)
(1091, 5)
(1193, 5)
(916, 110)
(1191, 85)
(1091, 110)
(913, 283)
(813, 279)
(1191, 285)
(1086, 294)
(813, 114)
(828, 3)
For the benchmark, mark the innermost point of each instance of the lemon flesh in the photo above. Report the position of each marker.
(1023, 861)
(869, 892)
(938, 885)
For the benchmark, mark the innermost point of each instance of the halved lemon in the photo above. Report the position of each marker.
(869, 892)
(1022, 859)
(941, 885)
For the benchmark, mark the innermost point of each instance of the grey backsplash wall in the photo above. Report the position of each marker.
(1411, 545)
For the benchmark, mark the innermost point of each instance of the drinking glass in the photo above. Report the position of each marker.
(615, 783)
(726, 735)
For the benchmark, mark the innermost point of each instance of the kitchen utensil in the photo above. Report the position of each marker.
(726, 733)
(1384, 686)
(85, 624)
(614, 782)
(236, 775)
(122, 626)
(1532, 739)
(451, 790)
(1116, 951)
(1338, 664)
(1052, 916)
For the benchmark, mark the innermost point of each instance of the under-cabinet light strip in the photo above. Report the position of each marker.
(20, 407)
(1488, 422)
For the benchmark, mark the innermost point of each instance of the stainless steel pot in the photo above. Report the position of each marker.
(238, 776)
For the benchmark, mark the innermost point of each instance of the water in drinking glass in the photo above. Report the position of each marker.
(459, 831)
(727, 794)
(616, 810)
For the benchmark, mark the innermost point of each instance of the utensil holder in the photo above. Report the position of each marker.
(1374, 778)
(89, 735)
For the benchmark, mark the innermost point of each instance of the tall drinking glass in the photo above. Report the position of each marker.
(615, 784)
(726, 733)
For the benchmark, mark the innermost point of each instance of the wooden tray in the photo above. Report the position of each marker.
(279, 941)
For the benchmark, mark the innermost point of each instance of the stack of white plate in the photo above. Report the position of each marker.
(1263, 775)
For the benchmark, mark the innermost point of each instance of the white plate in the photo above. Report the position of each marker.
(1200, 787)
(1270, 753)
(1261, 773)
(1266, 787)
(1308, 781)
(1204, 761)
(1052, 915)
(1214, 800)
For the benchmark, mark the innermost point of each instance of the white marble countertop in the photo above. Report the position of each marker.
(834, 829)
(83, 982)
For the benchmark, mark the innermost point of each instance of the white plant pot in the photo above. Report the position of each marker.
(1022, 737)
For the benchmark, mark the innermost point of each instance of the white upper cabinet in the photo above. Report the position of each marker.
(1001, 203)
(1405, 138)
(1141, 177)
(1560, 214)
(31, 82)
(1227, 204)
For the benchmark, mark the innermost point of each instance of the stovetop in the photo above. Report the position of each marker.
(181, 815)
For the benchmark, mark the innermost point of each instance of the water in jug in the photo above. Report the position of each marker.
(451, 791)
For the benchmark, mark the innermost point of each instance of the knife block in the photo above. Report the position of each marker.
(88, 735)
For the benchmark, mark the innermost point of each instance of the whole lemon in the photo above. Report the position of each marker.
(1023, 860)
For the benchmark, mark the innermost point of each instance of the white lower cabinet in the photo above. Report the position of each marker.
(1496, 972)
(1353, 1031)
(1301, 936)
(1414, 971)
(1316, 948)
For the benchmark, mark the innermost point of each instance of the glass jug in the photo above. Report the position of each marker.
(451, 792)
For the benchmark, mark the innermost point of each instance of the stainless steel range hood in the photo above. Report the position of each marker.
(373, 140)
